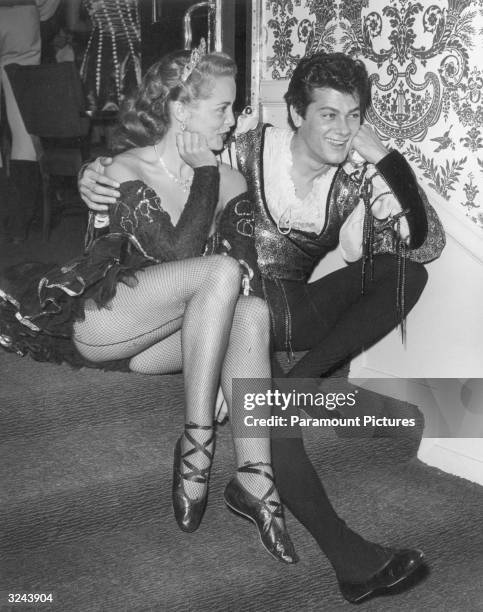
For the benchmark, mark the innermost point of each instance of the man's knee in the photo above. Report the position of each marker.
(385, 267)
(416, 277)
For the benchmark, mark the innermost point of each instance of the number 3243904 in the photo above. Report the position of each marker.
(30, 598)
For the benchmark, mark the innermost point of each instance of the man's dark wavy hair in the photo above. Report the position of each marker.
(326, 70)
(144, 117)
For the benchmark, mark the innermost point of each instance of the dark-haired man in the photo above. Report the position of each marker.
(308, 199)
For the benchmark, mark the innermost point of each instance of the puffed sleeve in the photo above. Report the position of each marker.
(394, 192)
(235, 237)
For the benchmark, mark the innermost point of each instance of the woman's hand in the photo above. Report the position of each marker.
(96, 189)
(367, 144)
(194, 150)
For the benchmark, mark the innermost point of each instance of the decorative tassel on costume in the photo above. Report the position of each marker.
(368, 235)
(401, 251)
(401, 283)
(367, 230)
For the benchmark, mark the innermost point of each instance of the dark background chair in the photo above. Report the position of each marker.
(53, 106)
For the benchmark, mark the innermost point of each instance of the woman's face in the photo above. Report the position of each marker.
(213, 116)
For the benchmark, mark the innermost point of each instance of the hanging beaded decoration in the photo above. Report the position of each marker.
(393, 222)
(118, 22)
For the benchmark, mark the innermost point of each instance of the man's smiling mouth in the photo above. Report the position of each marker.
(337, 143)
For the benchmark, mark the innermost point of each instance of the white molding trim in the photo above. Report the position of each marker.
(272, 105)
(258, 43)
(444, 454)
(461, 457)
(273, 91)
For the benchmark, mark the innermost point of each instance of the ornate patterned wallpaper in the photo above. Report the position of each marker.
(425, 61)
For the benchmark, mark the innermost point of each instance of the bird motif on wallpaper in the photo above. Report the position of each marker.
(443, 141)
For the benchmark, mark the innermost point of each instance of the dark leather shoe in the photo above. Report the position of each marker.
(266, 514)
(188, 512)
(401, 565)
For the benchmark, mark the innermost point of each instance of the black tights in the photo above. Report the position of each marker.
(333, 322)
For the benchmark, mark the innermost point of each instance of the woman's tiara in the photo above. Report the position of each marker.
(194, 60)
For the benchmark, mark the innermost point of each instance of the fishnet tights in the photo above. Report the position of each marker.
(188, 304)
(248, 356)
(178, 316)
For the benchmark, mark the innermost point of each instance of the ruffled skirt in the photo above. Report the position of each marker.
(39, 302)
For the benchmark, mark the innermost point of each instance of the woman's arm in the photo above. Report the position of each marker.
(139, 211)
(232, 184)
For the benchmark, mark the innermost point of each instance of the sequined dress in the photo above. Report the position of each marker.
(111, 65)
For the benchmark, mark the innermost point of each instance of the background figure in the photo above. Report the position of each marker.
(51, 21)
(111, 63)
(19, 44)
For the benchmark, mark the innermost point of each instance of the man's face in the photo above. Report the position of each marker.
(331, 121)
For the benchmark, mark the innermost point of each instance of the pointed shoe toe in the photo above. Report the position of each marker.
(187, 512)
(400, 566)
(273, 536)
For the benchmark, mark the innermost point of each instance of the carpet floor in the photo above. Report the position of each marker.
(85, 510)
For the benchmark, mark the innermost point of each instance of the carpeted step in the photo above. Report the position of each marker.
(139, 560)
(89, 435)
(86, 510)
(38, 397)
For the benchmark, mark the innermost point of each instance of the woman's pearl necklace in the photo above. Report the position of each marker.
(185, 184)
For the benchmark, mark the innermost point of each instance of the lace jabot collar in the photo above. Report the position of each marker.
(288, 210)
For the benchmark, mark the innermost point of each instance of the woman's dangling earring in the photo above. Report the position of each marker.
(182, 126)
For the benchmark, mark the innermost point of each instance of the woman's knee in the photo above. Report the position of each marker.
(225, 273)
(253, 315)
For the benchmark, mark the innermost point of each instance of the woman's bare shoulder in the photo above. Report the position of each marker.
(125, 166)
(232, 183)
